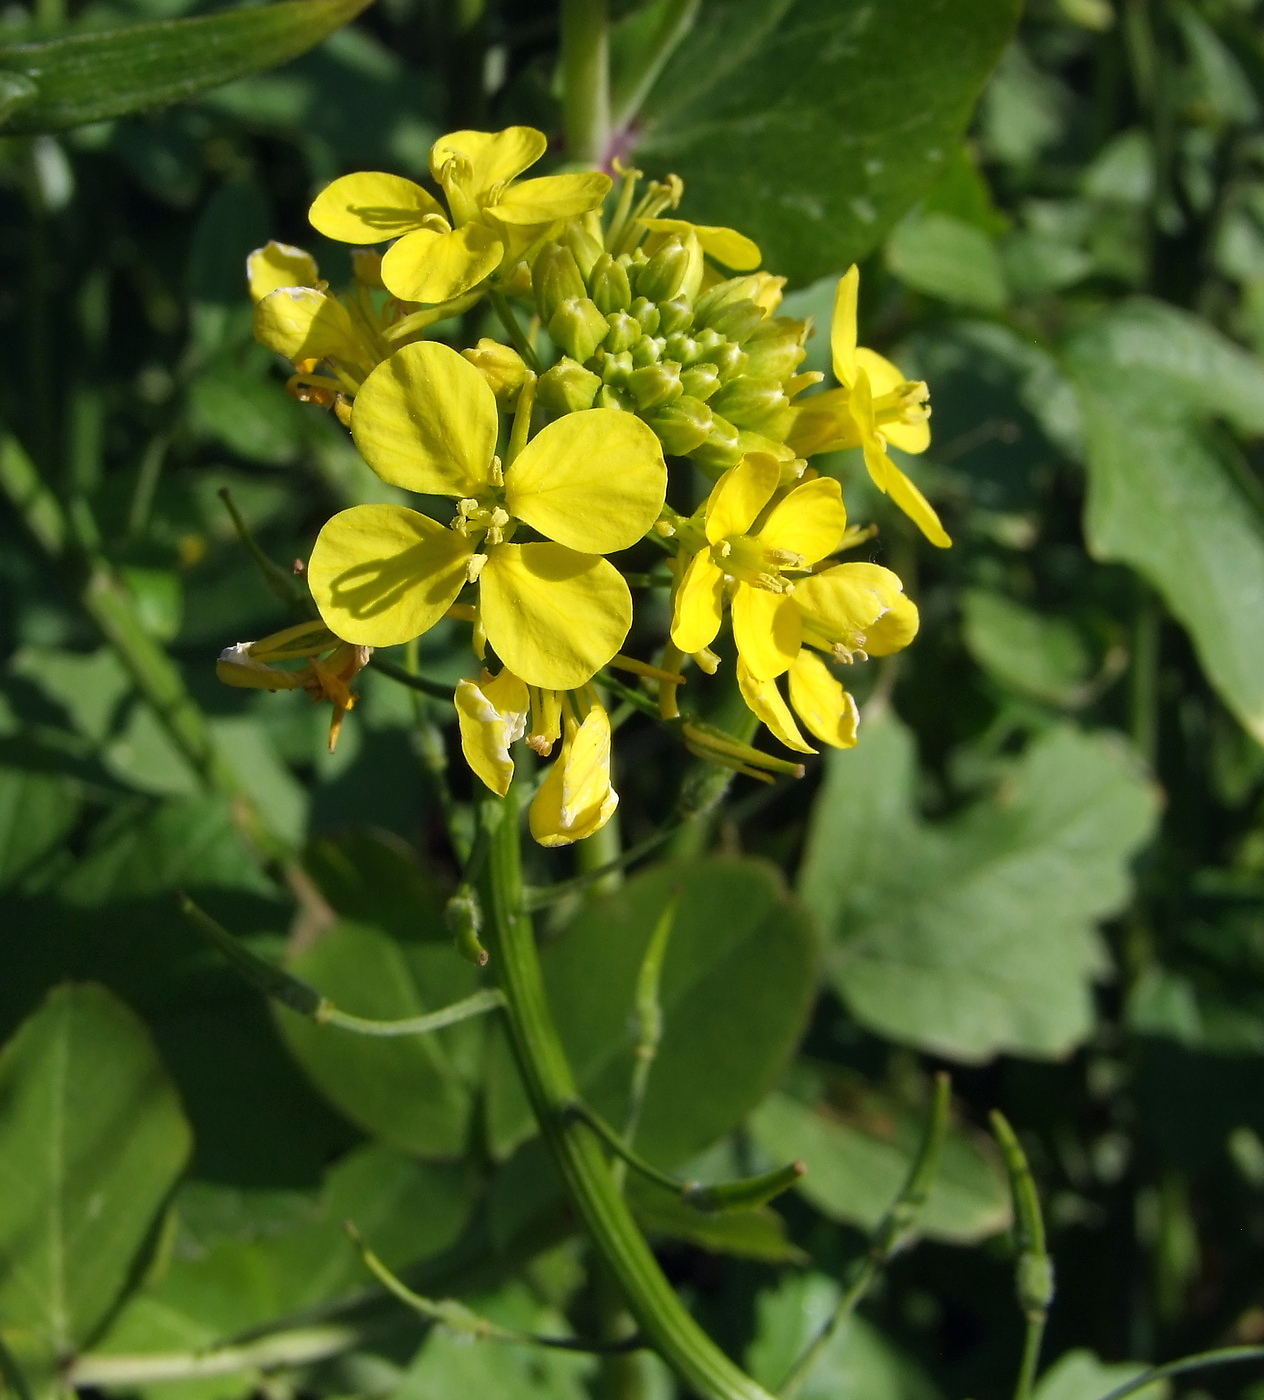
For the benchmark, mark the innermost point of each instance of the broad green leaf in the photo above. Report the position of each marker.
(745, 1234)
(1168, 494)
(94, 76)
(1044, 657)
(36, 811)
(812, 125)
(87, 685)
(413, 1092)
(737, 981)
(948, 258)
(858, 1148)
(92, 1138)
(1079, 1375)
(976, 935)
(858, 1362)
(375, 878)
(243, 411)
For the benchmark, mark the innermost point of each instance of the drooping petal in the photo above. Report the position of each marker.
(847, 598)
(764, 700)
(822, 704)
(725, 245)
(383, 574)
(592, 480)
(431, 267)
(699, 600)
(918, 509)
(894, 630)
(485, 736)
(810, 521)
(550, 198)
(553, 616)
(303, 323)
(767, 630)
(576, 798)
(279, 265)
(511, 698)
(740, 494)
(843, 327)
(860, 405)
(426, 420)
(494, 156)
(370, 206)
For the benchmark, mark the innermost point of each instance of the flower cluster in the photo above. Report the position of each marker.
(634, 340)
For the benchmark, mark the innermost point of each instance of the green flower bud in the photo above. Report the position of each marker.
(566, 388)
(646, 313)
(683, 348)
(736, 322)
(585, 248)
(578, 327)
(501, 366)
(682, 425)
(728, 359)
(615, 367)
(625, 331)
(648, 350)
(555, 278)
(722, 448)
(674, 316)
(753, 403)
(701, 381)
(776, 348)
(665, 273)
(609, 286)
(610, 396)
(655, 384)
(723, 294)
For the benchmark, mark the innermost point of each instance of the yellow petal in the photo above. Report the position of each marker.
(384, 574)
(767, 630)
(485, 735)
(843, 327)
(847, 598)
(279, 265)
(370, 206)
(822, 704)
(553, 616)
(426, 420)
(550, 198)
(918, 509)
(699, 600)
(576, 798)
(494, 156)
(823, 423)
(894, 630)
(431, 267)
(725, 245)
(810, 521)
(303, 323)
(740, 494)
(883, 378)
(764, 700)
(237, 667)
(592, 480)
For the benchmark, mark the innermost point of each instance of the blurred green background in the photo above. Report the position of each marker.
(1042, 868)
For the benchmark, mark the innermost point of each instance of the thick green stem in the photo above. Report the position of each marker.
(551, 1088)
(586, 79)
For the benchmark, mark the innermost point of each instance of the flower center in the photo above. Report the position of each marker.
(906, 403)
(744, 557)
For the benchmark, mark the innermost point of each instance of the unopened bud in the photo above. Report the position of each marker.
(608, 285)
(556, 279)
(611, 396)
(664, 275)
(615, 367)
(647, 314)
(683, 348)
(502, 367)
(682, 425)
(578, 327)
(723, 294)
(648, 350)
(752, 403)
(701, 380)
(566, 388)
(729, 360)
(464, 916)
(722, 447)
(585, 248)
(655, 384)
(674, 316)
(736, 322)
(624, 333)
(776, 348)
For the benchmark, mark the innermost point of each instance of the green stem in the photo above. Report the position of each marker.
(586, 80)
(635, 85)
(1222, 1356)
(551, 1087)
(301, 1347)
(513, 329)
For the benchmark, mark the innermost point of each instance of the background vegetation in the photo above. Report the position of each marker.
(1042, 869)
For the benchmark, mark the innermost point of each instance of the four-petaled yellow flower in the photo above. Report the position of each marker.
(492, 215)
(591, 483)
(873, 406)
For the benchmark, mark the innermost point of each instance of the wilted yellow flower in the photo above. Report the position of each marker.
(591, 483)
(491, 213)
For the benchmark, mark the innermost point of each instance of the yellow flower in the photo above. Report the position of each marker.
(491, 214)
(725, 245)
(828, 711)
(591, 483)
(576, 798)
(332, 665)
(802, 528)
(280, 265)
(874, 405)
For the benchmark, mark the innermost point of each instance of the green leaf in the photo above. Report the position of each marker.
(746, 1234)
(1168, 494)
(858, 1147)
(946, 257)
(976, 935)
(413, 1092)
(375, 878)
(109, 73)
(858, 1361)
(812, 125)
(737, 981)
(92, 1139)
(1079, 1375)
(1044, 657)
(36, 811)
